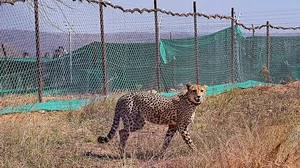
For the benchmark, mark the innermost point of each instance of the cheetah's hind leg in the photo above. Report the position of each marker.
(137, 123)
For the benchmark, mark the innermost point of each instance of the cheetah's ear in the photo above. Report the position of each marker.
(188, 85)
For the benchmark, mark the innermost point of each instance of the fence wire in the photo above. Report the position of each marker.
(72, 51)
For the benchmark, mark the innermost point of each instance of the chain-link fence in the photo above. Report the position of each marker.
(98, 47)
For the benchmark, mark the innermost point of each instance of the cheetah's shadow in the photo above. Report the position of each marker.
(102, 156)
(143, 156)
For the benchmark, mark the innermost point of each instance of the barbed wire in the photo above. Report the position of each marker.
(143, 10)
(12, 2)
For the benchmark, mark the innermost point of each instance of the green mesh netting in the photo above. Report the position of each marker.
(284, 51)
(131, 66)
(214, 58)
(294, 71)
(86, 73)
(172, 49)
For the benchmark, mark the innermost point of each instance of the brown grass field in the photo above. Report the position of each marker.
(255, 127)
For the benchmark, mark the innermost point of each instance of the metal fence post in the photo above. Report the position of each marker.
(268, 46)
(232, 45)
(252, 49)
(103, 49)
(157, 47)
(38, 52)
(252, 41)
(196, 42)
(94, 53)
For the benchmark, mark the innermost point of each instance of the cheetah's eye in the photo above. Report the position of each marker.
(202, 90)
(195, 91)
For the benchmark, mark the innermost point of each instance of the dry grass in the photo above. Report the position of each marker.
(17, 100)
(257, 127)
(20, 100)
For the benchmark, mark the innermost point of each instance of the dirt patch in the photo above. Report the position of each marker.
(21, 116)
(284, 88)
(155, 132)
(285, 146)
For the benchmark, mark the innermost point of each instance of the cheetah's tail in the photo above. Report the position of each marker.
(112, 132)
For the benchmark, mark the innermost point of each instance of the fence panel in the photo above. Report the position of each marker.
(72, 56)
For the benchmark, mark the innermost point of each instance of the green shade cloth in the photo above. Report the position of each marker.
(77, 104)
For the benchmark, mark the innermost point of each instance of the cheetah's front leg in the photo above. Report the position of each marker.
(186, 137)
(169, 135)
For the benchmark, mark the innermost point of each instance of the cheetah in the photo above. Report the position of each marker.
(136, 108)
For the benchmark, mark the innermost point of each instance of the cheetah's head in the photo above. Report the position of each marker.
(196, 93)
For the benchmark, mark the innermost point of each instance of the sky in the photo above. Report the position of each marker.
(83, 17)
(254, 11)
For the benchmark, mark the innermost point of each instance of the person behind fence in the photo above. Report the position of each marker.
(25, 55)
(47, 55)
(56, 54)
(62, 51)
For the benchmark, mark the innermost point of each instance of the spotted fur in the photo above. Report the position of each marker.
(136, 108)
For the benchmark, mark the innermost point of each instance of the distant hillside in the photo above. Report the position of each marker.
(18, 41)
(10, 50)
